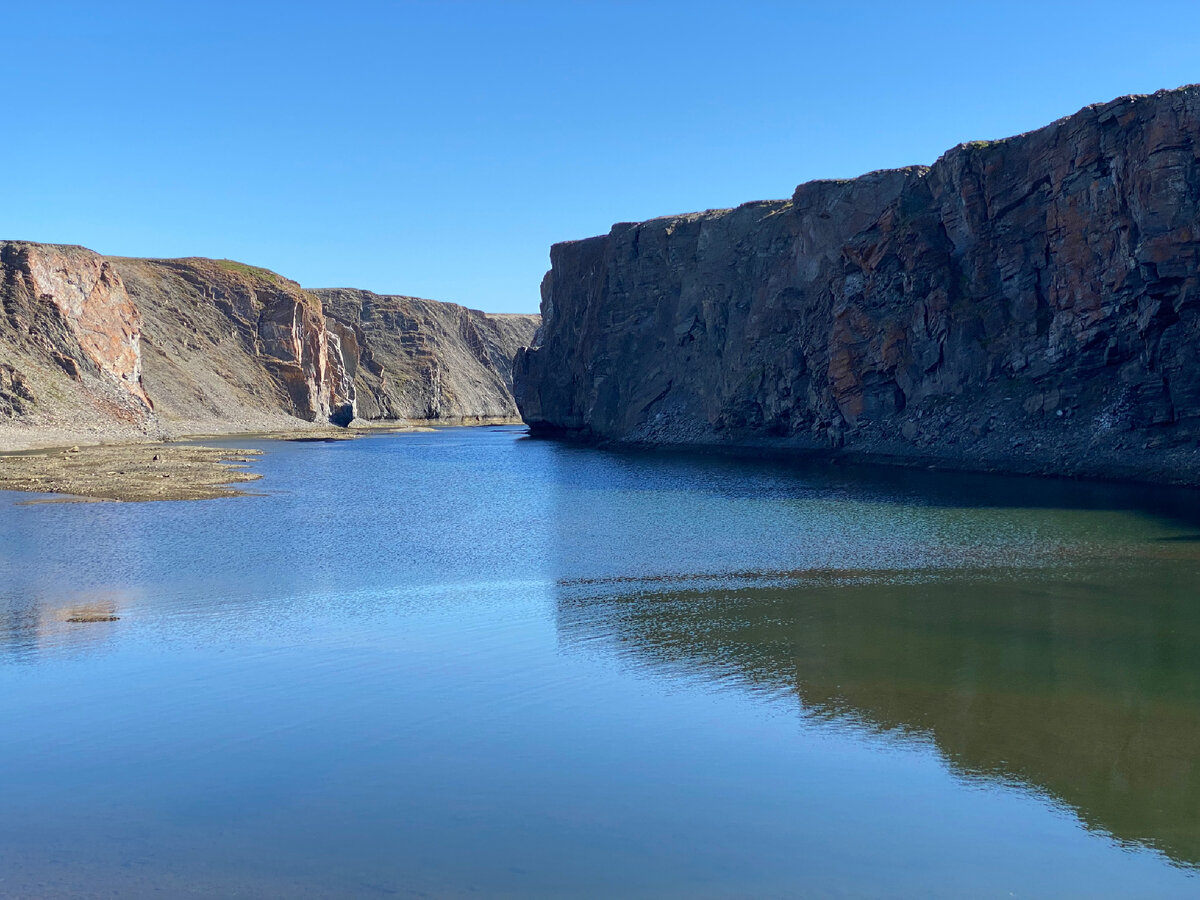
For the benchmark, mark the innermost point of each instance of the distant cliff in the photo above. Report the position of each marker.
(1029, 304)
(111, 348)
(421, 359)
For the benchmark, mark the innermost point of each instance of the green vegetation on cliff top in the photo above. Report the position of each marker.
(256, 272)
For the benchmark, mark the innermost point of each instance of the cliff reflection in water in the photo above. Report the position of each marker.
(1087, 688)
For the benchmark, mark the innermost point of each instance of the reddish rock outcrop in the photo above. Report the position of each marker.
(237, 311)
(74, 307)
(1030, 304)
(114, 348)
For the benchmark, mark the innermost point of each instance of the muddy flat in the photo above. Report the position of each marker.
(130, 472)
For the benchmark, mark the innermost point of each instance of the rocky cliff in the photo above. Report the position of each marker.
(109, 348)
(1029, 304)
(422, 359)
(71, 337)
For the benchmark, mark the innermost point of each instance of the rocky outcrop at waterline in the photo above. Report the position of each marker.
(119, 349)
(1029, 304)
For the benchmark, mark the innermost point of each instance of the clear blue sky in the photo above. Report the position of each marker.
(439, 148)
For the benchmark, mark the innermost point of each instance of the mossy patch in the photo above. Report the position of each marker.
(274, 279)
(255, 272)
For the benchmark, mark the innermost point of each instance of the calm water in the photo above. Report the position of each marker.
(471, 663)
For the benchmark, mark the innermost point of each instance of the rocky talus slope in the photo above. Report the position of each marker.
(1028, 305)
(96, 348)
(423, 359)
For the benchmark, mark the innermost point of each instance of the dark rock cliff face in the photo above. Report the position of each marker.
(1030, 305)
(110, 348)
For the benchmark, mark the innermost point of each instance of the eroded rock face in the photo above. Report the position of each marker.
(120, 348)
(343, 354)
(218, 326)
(422, 359)
(1028, 304)
(15, 393)
(73, 305)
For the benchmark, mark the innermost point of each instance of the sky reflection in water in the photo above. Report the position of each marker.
(473, 662)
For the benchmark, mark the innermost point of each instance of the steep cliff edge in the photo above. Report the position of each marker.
(70, 338)
(423, 359)
(224, 342)
(96, 348)
(1029, 304)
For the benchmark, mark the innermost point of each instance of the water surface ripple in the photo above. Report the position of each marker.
(472, 663)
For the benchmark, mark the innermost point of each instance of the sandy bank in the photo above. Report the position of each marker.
(130, 472)
(153, 470)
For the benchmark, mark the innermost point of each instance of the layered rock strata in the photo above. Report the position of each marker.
(222, 340)
(422, 359)
(1029, 304)
(71, 337)
(112, 348)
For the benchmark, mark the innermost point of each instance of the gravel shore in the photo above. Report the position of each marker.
(130, 472)
(49, 462)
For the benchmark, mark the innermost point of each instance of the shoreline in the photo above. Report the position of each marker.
(128, 473)
(32, 438)
(184, 468)
(1090, 472)
(178, 468)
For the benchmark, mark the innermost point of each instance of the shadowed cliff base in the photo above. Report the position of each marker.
(1164, 470)
(104, 349)
(1023, 305)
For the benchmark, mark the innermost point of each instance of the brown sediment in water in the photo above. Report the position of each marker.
(129, 472)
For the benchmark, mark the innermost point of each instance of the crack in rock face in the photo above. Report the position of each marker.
(117, 348)
(1029, 305)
